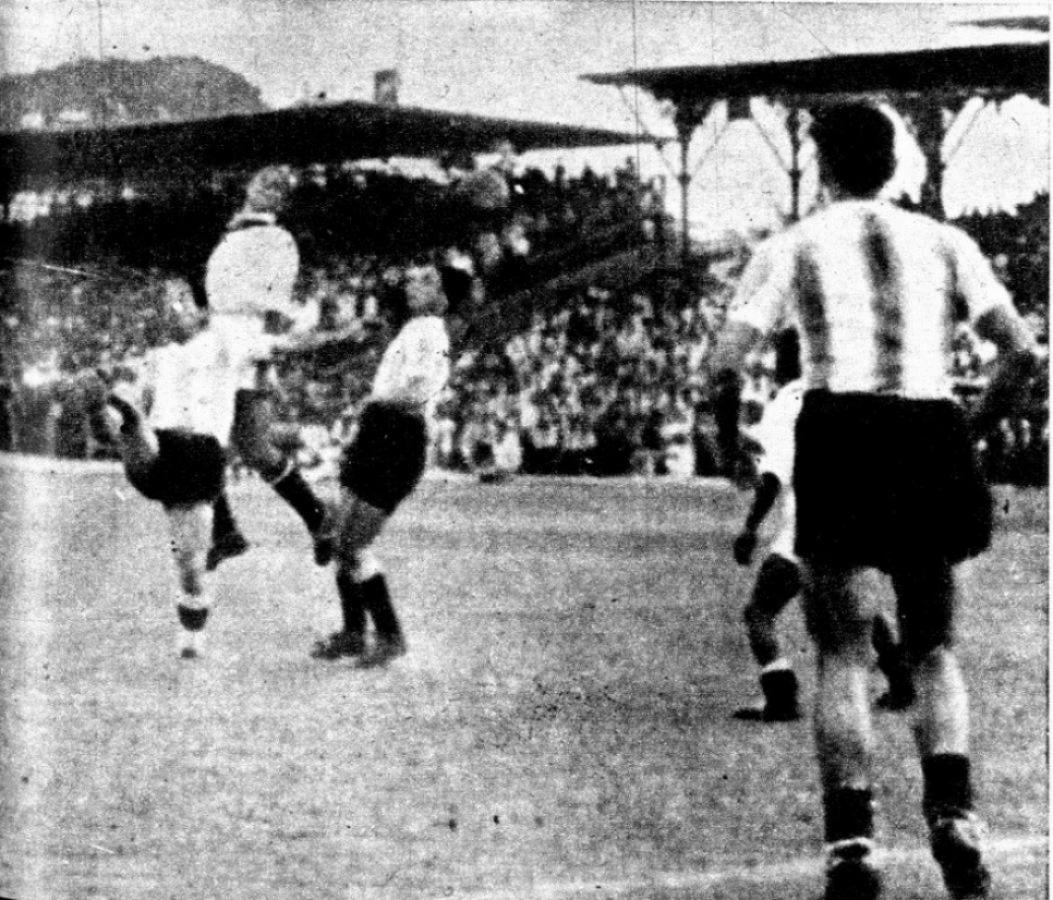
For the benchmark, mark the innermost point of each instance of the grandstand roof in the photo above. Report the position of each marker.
(994, 70)
(298, 136)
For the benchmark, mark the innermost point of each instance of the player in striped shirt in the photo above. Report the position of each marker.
(175, 453)
(885, 471)
(779, 579)
(382, 466)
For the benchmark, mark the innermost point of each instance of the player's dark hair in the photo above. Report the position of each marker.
(856, 147)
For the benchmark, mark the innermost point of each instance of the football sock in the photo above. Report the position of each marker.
(849, 815)
(778, 581)
(222, 519)
(377, 600)
(780, 689)
(192, 618)
(128, 413)
(295, 491)
(891, 658)
(351, 603)
(948, 785)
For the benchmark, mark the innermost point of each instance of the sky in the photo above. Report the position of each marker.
(524, 59)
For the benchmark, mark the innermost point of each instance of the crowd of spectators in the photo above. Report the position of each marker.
(604, 379)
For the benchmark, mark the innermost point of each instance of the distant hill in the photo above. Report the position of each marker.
(90, 92)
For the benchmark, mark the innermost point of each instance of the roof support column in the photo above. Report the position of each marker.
(929, 119)
(688, 117)
(793, 126)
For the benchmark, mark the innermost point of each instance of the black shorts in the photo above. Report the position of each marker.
(887, 482)
(190, 468)
(386, 460)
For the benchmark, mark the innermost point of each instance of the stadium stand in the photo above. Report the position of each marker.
(603, 378)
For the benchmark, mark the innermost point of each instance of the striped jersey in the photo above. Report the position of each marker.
(875, 292)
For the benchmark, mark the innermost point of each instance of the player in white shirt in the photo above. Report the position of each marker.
(175, 453)
(249, 281)
(779, 578)
(382, 466)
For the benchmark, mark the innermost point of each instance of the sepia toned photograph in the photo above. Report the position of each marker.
(524, 450)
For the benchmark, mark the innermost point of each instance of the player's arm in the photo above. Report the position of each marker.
(295, 342)
(755, 311)
(1017, 364)
(994, 319)
(765, 494)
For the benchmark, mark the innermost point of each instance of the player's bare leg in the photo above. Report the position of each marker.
(252, 440)
(190, 532)
(941, 727)
(227, 539)
(892, 661)
(840, 620)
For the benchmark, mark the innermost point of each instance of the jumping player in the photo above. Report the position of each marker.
(249, 282)
(382, 466)
(779, 577)
(176, 454)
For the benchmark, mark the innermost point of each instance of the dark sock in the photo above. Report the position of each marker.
(849, 813)
(222, 519)
(780, 689)
(292, 488)
(192, 618)
(129, 414)
(948, 785)
(890, 656)
(377, 600)
(351, 603)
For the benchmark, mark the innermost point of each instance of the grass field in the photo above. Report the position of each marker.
(561, 727)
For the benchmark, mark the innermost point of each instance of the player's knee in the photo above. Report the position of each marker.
(190, 577)
(359, 566)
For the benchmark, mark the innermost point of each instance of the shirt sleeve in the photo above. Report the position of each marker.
(975, 282)
(766, 287)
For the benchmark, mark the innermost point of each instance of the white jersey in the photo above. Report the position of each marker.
(776, 435)
(251, 272)
(193, 386)
(415, 367)
(875, 292)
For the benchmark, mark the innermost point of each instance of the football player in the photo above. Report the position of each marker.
(382, 466)
(174, 423)
(779, 578)
(249, 282)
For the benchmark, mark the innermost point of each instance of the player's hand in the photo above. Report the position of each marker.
(744, 546)
(275, 323)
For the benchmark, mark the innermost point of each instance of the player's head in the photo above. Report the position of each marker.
(424, 293)
(268, 190)
(856, 148)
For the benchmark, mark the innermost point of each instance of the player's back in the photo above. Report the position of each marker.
(876, 295)
(194, 385)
